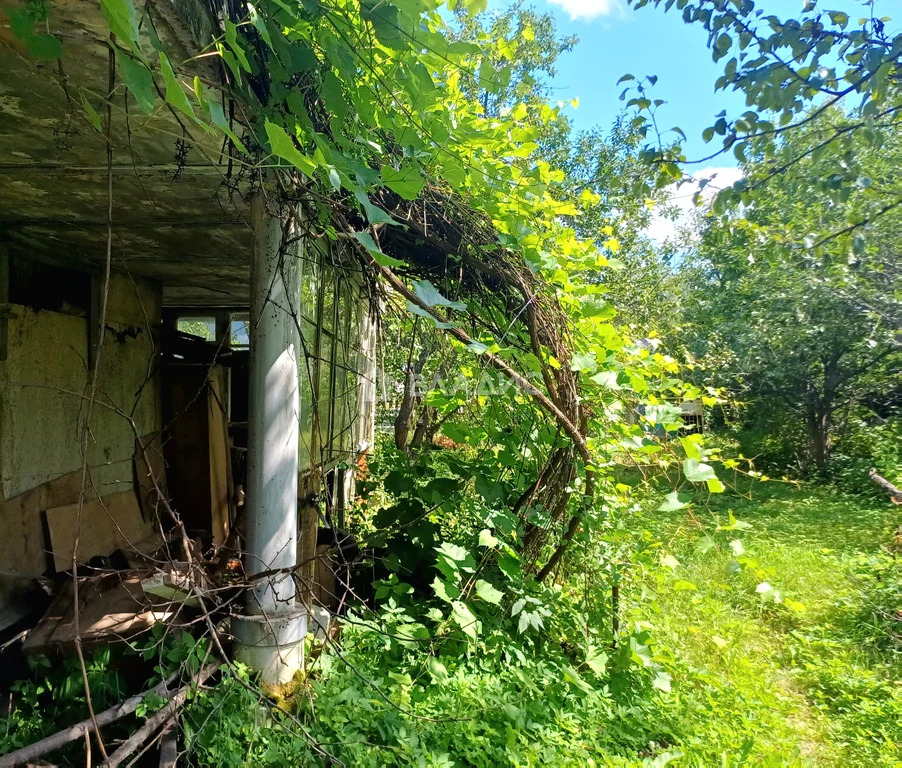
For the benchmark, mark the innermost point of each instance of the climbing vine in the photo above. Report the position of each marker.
(363, 114)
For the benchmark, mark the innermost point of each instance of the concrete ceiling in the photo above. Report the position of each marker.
(175, 219)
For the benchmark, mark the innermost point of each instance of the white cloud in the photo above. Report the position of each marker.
(590, 9)
(663, 228)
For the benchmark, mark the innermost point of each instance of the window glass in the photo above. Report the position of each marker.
(204, 327)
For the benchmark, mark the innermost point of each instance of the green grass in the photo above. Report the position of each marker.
(811, 678)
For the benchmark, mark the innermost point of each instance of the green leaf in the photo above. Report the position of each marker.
(175, 95)
(662, 681)
(715, 486)
(437, 670)
(839, 18)
(374, 214)
(21, 22)
(93, 117)
(333, 96)
(283, 147)
(606, 379)
(231, 36)
(120, 15)
(260, 24)
(487, 592)
(417, 310)
(696, 472)
(691, 446)
(429, 295)
(407, 180)
(596, 660)
(217, 115)
(487, 539)
(465, 619)
(704, 544)
(572, 676)
(139, 80)
(733, 524)
(44, 46)
(452, 551)
(445, 590)
(584, 361)
(671, 503)
(382, 259)
(334, 180)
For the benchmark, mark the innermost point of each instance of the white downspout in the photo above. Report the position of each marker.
(269, 637)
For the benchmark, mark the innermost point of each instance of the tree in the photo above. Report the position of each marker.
(795, 74)
(527, 53)
(816, 329)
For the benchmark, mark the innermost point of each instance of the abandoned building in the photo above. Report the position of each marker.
(224, 357)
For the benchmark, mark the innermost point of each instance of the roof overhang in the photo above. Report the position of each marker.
(177, 218)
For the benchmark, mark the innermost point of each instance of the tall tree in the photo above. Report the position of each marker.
(814, 329)
(795, 73)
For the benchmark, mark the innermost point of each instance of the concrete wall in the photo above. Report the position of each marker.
(43, 384)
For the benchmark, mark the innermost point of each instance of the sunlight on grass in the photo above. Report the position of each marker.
(811, 684)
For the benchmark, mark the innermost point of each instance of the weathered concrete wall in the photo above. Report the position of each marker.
(43, 386)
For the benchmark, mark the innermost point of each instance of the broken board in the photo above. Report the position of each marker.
(110, 607)
(107, 524)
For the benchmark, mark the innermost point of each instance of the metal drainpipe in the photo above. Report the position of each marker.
(269, 637)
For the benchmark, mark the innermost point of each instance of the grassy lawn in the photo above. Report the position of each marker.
(782, 629)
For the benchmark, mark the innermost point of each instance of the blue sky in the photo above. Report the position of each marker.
(644, 42)
(616, 40)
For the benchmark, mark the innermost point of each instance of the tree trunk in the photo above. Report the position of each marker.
(409, 400)
(819, 420)
(424, 425)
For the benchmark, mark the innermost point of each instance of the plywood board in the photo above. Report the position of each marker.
(23, 547)
(107, 524)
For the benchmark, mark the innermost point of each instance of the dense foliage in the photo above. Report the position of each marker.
(564, 578)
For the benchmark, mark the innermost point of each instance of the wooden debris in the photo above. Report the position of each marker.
(104, 525)
(21, 520)
(175, 586)
(884, 484)
(111, 607)
(157, 720)
(221, 490)
(195, 444)
(169, 751)
(27, 755)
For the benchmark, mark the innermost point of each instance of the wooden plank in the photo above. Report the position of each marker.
(186, 443)
(38, 639)
(23, 547)
(111, 607)
(220, 464)
(169, 753)
(325, 592)
(107, 524)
